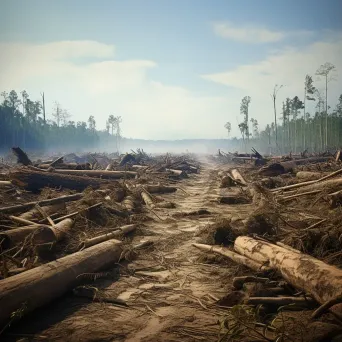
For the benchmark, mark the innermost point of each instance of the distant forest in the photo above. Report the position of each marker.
(23, 123)
(299, 129)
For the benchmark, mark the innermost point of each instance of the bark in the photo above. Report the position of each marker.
(105, 237)
(104, 174)
(40, 234)
(34, 180)
(240, 259)
(322, 281)
(238, 177)
(238, 282)
(40, 285)
(22, 207)
(159, 189)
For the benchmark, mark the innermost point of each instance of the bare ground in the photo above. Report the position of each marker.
(170, 289)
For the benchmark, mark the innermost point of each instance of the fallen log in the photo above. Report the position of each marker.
(104, 174)
(309, 175)
(276, 169)
(322, 281)
(105, 237)
(238, 258)
(159, 189)
(147, 199)
(303, 184)
(238, 177)
(40, 234)
(233, 200)
(66, 166)
(34, 180)
(39, 286)
(238, 282)
(22, 207)
(129, 204)
(279, 301)
(34, 213)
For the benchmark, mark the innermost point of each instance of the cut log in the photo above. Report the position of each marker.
(40, 285)
(304, 184)
(254, 265)
(34, 180)
(177, 173)
(159, 189)
(147, 199)
(238, 177)
(276, 169)
(40, 234)
(22, 207)
(104, 174)
(322, 281)
(34, 214)
(308, 175)
(105, 237)
(66, 166)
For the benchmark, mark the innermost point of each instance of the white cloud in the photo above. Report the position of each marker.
(149, 109)
(247, 33)
(287, 66)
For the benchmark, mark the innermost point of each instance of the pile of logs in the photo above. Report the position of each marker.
(48, 241)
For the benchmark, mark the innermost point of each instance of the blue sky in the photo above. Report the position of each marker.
(171, 69)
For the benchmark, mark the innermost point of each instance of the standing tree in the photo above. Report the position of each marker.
(92, 123)
(296, 105)
(244, 107)
(228, 127)
(255, 125)
(57, 113)
(274, 97)
(327, 72)
(309, 91)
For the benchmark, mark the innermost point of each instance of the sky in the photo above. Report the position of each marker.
(171, 69)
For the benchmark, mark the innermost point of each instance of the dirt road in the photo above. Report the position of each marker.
(170, 289)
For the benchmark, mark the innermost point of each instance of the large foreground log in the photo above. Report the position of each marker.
(34, 180)
(40, 285)
(322, 281)
(22, 207)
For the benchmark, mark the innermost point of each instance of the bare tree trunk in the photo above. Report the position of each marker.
(40, 285)
(301, 270)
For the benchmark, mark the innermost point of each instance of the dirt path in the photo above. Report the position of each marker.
(169, 291)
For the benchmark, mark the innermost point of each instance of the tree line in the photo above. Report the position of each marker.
(23, 123)
(299, 129)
